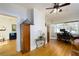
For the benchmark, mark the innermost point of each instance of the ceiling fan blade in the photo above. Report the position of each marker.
(64, 4)
(56, 5)
(50, 8)
(51, 11)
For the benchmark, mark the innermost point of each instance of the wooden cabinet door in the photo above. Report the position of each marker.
(25, 30)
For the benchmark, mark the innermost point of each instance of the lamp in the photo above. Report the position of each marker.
(55, 10)
(2, 28)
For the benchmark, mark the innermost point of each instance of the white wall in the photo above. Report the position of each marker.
(39, 25)
(53, 35)
(7, 22)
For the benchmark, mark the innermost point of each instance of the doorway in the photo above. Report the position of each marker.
(8, 34)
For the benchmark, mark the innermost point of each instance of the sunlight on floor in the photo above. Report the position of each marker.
(3, 43)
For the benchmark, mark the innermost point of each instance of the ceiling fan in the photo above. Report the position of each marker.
(57, 7)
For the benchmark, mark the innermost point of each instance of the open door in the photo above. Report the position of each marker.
(48, 37)
(25, 32)
(48, 34)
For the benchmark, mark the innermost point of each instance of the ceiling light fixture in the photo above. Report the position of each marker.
(55, 10)
(57, 7)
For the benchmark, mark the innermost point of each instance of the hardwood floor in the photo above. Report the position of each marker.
(53, 48)
(8, 48)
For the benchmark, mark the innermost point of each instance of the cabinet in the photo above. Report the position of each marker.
(25, 35)
(12, 36)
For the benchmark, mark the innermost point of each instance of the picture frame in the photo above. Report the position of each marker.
(13, 27)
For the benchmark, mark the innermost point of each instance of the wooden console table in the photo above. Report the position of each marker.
(40, 41)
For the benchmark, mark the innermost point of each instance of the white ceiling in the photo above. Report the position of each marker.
(35, 5)
(69, 12)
